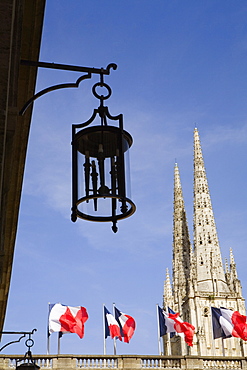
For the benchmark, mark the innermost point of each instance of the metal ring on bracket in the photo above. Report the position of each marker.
(101, 96)
(29, 340)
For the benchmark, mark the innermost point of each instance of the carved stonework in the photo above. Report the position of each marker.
(199, 280)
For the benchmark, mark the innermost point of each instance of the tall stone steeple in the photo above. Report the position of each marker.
(168, 296)
(181, 245)
(210, 275)
(199, 281)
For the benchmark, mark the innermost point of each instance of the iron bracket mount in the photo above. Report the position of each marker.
(65, 67)
(29, 341)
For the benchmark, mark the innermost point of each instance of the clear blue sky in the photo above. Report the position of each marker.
(180, 64)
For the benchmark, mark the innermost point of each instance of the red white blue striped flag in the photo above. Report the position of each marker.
(127, 325)
(67, 319)
(111, 325)
(228, 323)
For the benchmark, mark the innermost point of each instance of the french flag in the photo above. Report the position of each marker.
(228, 323)
(111, 325)
(171, 311)
(127, 325)
(67, 319)
(171, 322)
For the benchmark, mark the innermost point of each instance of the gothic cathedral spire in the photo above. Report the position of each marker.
(199, 281)
(181, 245)
(210, 275)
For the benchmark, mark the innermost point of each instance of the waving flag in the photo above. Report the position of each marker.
(166, 325)
(127, 325)
(111, 325)
(67, 319)
(228, 323)
(172, 334)
(171, 322)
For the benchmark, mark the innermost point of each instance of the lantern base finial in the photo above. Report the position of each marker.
(114, 226)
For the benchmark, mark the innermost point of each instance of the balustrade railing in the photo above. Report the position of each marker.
(126, 362)
(223, 364)
(97, 362)
(160, 363)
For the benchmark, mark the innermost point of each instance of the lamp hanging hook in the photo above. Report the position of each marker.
(29, 342)
(101, 84)
(102, 78)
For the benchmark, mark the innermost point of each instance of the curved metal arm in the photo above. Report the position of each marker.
(24, 333)
(52, 88)
(14, 341)
(63, 67)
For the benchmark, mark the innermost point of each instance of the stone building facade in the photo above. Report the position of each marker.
(21, 23)
(199, 279)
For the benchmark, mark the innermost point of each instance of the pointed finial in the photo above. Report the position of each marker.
(167, 287)
(233, 265)
(232, 261)
(177, 182)
(226, 265)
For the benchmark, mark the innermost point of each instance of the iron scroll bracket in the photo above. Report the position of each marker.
(65, 67)
(29, 341)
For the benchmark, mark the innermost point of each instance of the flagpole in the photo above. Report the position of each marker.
(158, 322)
(58, 343)
(104, 340)
(48, 333)
(48, 343)
(114, 339)
(168, 341)
(223, 348)
(212, 328)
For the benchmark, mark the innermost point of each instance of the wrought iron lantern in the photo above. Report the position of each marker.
(100, 190)
(100, 185)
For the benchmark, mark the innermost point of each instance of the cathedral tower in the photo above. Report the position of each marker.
(209, 272)
(199, 280)
(181, 245)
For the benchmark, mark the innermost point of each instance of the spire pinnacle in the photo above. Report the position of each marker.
(181, 244)
(232, 261)
(210, 272)
(168, 299)
(233, 269)
(226, 266)
(168, 287)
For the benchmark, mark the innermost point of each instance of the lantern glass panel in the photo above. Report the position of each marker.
(101, 201)
(127, 174)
